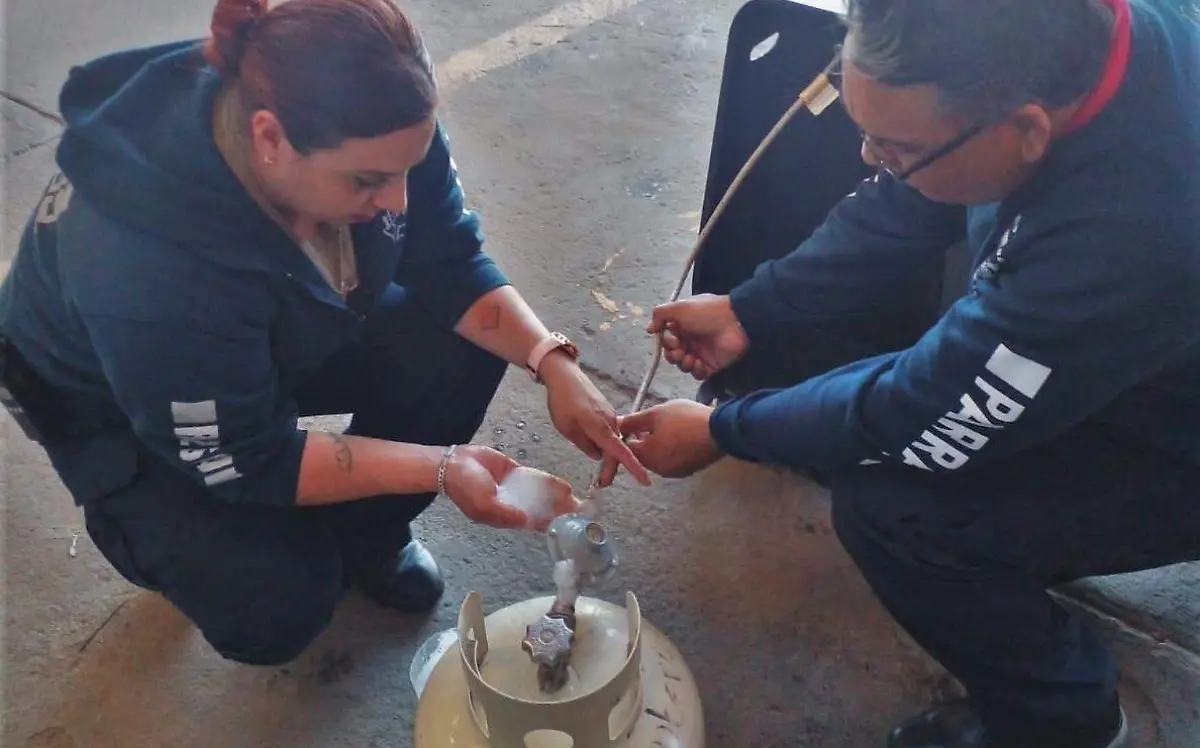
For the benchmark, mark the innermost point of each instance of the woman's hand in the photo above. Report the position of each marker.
(672, 439)
(584, 416)
(530, 500)
(472, 482)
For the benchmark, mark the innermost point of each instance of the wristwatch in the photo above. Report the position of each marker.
(555, 341)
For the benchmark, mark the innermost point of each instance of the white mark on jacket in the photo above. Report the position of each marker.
(985, 410)
(54, 201)
(393, 225)
(199, 437)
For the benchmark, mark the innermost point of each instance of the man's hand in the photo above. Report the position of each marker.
(584, 416)
(700, 335)
(672, 439)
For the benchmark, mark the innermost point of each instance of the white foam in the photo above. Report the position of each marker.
(539, 495)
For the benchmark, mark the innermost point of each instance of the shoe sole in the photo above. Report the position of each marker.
(1122, 738)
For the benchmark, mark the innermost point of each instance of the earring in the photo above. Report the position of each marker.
(268, 160)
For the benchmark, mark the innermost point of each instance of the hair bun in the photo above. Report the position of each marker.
(232, 22)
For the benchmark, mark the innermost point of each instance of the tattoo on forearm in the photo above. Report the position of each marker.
(342, 454)
(491, 318)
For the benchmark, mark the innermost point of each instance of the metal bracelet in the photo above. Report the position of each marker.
(441, 479)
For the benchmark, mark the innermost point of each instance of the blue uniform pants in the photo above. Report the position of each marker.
(261, 582)
(963, 562)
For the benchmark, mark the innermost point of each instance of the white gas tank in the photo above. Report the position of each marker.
(627, 686)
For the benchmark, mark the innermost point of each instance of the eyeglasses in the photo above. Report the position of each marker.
(834, 73)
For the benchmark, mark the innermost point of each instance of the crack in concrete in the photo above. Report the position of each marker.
(28, 148)
(32, 107)
(103, 625)
(703, 33)
(625, 387)
(51, 737)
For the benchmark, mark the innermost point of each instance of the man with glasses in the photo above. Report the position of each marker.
(1043, 428)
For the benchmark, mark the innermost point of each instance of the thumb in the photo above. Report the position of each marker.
(638, 423)
(664, 314)
(498, 464)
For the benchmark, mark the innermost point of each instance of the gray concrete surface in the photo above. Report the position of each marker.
(583, 137)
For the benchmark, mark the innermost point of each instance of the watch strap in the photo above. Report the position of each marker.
(552, 342)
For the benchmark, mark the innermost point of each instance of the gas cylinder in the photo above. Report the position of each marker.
(626, 685)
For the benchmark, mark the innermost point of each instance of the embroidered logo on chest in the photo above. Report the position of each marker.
(393, 225)
(994, 264)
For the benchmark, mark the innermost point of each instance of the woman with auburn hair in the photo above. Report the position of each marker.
(247, 229)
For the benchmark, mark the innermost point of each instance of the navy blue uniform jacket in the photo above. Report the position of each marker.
(153, 290)
(1084, 307)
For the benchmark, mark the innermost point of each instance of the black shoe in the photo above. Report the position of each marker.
(409, 581)
(956, 725)
(711, 392)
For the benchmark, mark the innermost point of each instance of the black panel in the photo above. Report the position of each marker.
(812, 165)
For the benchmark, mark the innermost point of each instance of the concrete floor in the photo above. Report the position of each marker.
(582, 132)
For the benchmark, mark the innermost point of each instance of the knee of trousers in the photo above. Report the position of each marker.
(469, 393)
(486, 372)
(883, 517)
(277, 629)
(858, 505)
(849, 526)
(454, 398)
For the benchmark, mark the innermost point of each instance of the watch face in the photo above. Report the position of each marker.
(567, 343)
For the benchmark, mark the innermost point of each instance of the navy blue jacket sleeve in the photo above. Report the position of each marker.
(444, 267)
(187, 354)
(1076, 316)
(208, 403)
(877, 246)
